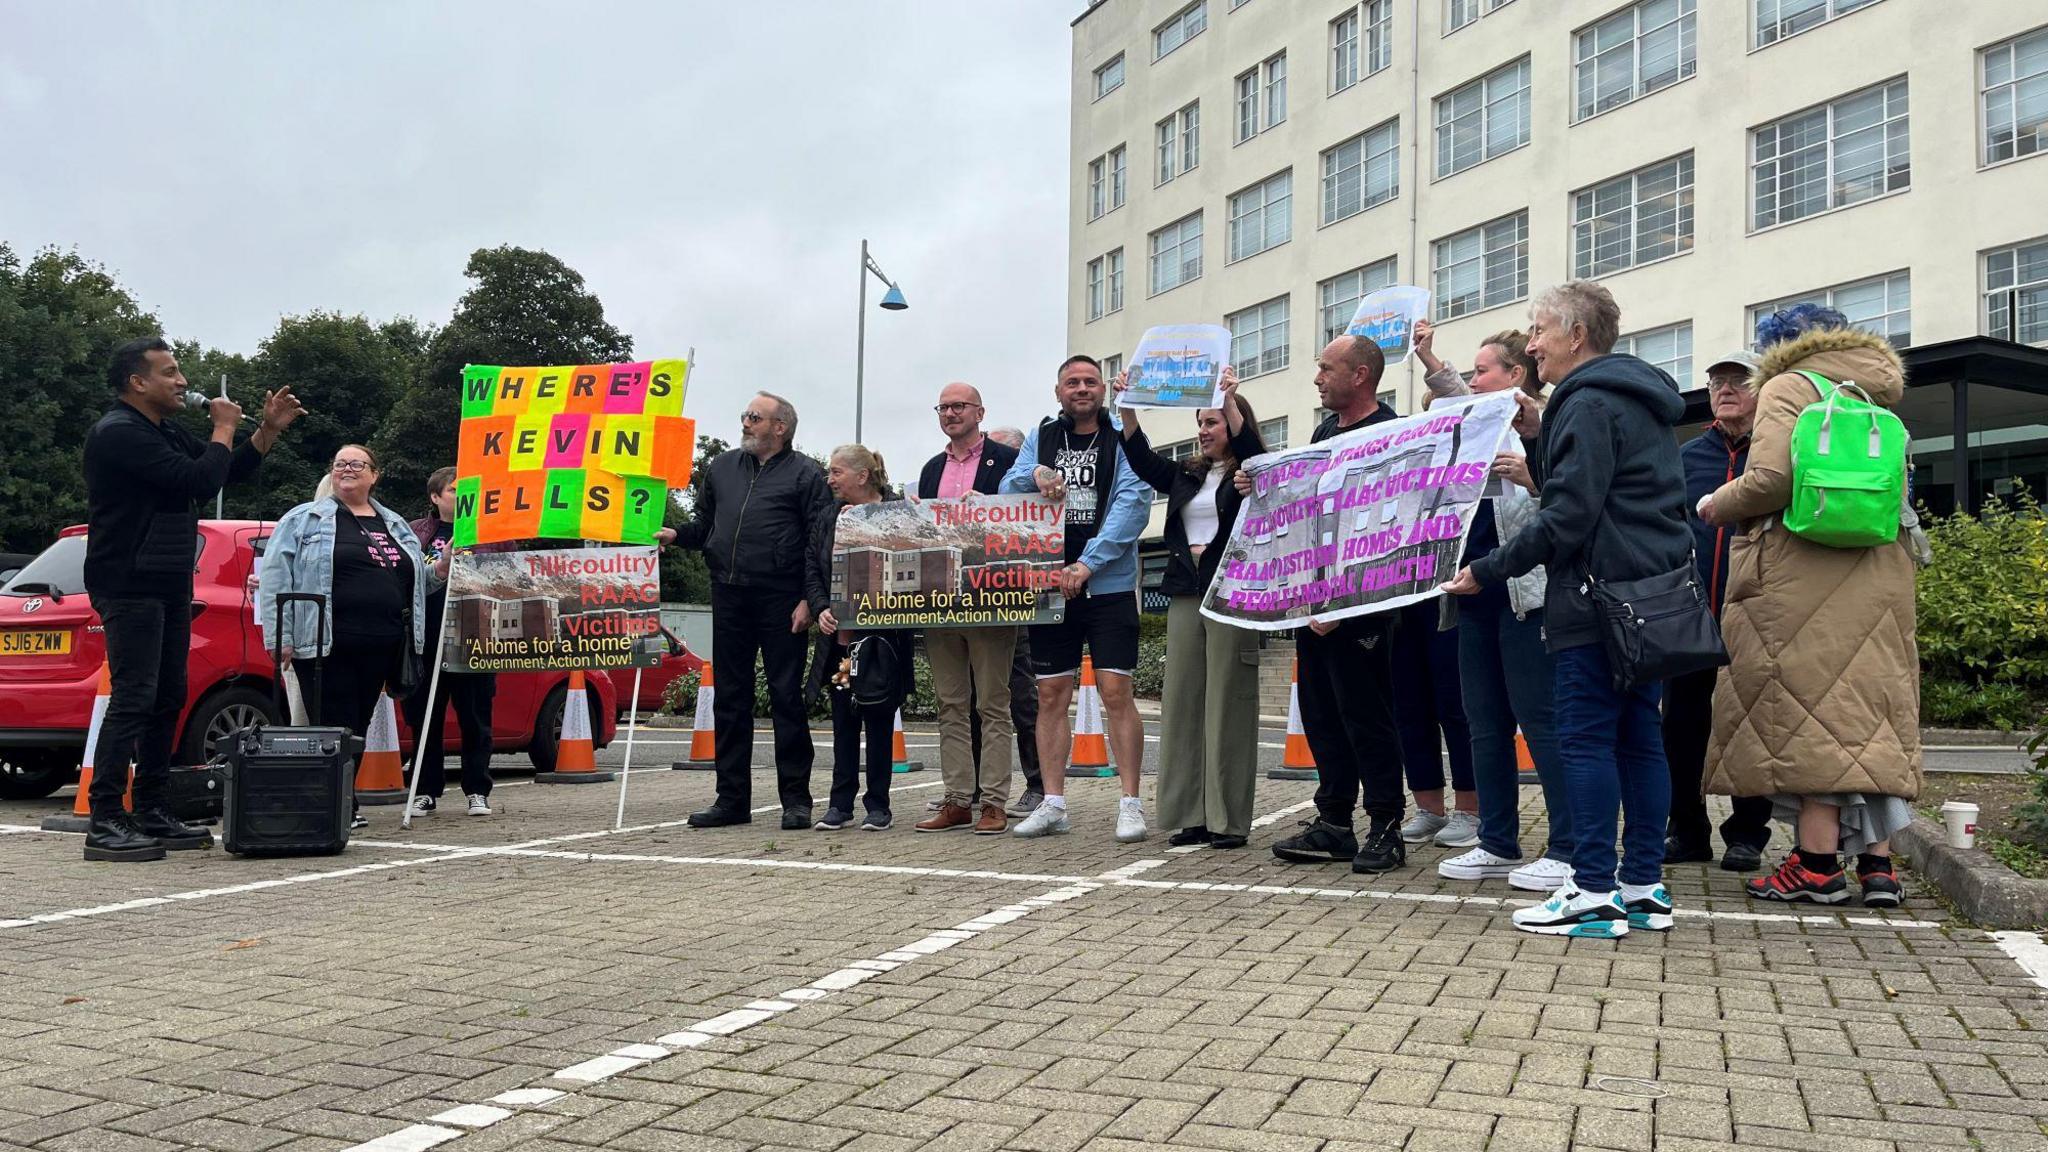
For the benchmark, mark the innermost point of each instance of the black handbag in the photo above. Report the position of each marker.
(1656, 627)
(411, 672)
(875, 672)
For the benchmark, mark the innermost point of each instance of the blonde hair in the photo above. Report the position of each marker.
(861, 456)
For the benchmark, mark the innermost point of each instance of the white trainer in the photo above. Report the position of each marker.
(1045, 820)
(1543, 874)
(1461, 830)
(1130, 820)
(1423, 825)
(1570, 912)
(1478, 864)
(423, 805)
(479, 805)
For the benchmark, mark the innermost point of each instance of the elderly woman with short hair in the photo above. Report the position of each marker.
(1614, 510)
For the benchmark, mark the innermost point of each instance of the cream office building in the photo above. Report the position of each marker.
(1262, 163)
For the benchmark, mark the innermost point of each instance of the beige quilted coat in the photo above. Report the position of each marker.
(1822, 692)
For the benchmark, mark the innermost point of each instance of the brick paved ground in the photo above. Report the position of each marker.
(1070, 994)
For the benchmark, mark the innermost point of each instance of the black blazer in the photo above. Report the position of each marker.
(1184, 577)
(995, 463)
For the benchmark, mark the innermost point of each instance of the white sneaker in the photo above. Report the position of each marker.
(1478, 864)
(479, 805)
(1045, 820)
(1542, 874)
(1422, 826)
(423, 805)
(1130, 820)
(1570, 912)
(1461, 830)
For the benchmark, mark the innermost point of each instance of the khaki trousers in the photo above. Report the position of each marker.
(971, 676)
(1209, 723)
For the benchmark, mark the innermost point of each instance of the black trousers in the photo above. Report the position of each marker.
(1023, 714)
(148, 640)
(472, 695)
(1688, 724)
(341, 688)
(746, 624)
(1347, 711)
(858, 728)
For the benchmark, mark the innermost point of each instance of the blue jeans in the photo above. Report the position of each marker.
(1507, 677)
(1613, 749)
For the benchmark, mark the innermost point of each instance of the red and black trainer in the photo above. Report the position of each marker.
(1794, 882)
(1881, 889)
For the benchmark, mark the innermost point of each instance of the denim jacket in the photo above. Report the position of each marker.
(300, 558)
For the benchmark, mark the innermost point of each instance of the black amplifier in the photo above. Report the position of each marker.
(289, 791)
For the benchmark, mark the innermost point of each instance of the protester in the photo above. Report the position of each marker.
(364, 562)
(758, 517)
(1069, 458)
(471, 693)
(1503, 669)
(1612, 510)
(970, 666)
(864, 698)
(144, 475)
(1347, 669)
(1209, 720)
(1711, 459)
(1429, 711)
(1023, 693)
(1819, 709)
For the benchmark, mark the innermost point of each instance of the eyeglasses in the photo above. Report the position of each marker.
(1727, 383)
(949, 408)
(350, 467)
(751, 417)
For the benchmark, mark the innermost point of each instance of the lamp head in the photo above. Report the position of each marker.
(893, 299)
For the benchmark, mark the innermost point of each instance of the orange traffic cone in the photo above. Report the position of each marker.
(1525, 764)
(81, 807)
(380, 774)
(1296, 761)
(703, 746)
(1090, 756)
(899, 751)
(575, 752)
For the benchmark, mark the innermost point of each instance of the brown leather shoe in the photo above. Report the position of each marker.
(946, 819)
(993, 822)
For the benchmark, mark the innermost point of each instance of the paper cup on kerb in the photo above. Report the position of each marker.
(1960, 817)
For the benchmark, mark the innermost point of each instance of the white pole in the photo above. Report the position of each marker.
(632, 725)
(220, 496)
(428, 717)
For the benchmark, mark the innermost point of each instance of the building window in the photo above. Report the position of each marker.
(1881, 304)
(2015, 97)
(1114, 278)
(1483, 267)
(1777, 19)
(1261, 97)
(1633, 219)
(1095, 289)
(1185, 25)
(1339, 295)
(1108, 182)
(1261, 217)
(1362, 172)
(1110, 76)
(1379, 35)
(1344, 51)
(1274, 433)
(1483, 119)
(1458, 13)
(1180, 142)
(1258, 338)
(2016, 292)
(1838, 154)
(1635, 52)
(1667, 348)
(1119, 182)
(1112, 366)
(1177, 253)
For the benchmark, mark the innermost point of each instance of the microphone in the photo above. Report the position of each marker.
(201, 400)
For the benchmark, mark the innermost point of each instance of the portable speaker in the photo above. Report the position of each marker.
(289, 791)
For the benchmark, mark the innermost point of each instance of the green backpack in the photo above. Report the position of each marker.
(1848, 469)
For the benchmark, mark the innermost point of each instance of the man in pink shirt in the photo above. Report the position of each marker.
(970, 666)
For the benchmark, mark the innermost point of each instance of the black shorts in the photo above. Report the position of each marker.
(1107, 624)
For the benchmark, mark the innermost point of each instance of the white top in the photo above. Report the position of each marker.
(1199, 514)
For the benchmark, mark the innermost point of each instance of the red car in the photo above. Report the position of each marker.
(52, 644)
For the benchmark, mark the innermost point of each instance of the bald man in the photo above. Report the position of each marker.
(970, 666)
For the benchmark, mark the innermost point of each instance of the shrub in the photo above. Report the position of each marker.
(1948, 704)
(1983, 605)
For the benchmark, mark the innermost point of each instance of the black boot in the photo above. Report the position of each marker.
(116, 839)
(171, 832)
(720, 816)
(1382, 851)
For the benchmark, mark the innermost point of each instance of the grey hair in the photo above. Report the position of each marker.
(784, 411)
(1582, 304)
(1007, 436)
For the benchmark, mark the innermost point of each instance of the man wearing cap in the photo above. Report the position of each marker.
(1715, 457)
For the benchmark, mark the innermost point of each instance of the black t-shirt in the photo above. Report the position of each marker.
(372, 579)
(1080, 461)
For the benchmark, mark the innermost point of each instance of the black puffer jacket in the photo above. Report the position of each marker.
(758, 522)
(1613, 493)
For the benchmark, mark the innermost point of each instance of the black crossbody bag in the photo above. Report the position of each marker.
(1656, 627)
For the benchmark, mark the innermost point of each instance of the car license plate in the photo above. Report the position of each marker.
(35, 643)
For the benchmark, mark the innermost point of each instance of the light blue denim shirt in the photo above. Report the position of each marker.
(300, 558)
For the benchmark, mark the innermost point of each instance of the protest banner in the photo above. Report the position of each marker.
(553, 609)
(1359, 523)
(574, 452)
(1178, 366)
(983, 560)
(1388, 317)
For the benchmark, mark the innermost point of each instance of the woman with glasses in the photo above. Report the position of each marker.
(363, 560)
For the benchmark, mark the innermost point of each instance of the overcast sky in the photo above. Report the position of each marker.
(709, 167)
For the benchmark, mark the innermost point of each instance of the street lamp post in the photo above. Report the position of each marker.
(892, 300)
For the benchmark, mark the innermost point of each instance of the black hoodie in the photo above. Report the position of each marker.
(1613, 493)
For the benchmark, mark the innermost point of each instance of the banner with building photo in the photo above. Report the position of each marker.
(554, 609)
(981, 561)
(1178, 366)
(1387, 317)
(1360, 523)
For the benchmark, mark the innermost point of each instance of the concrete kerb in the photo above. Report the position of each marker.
(1983, 890)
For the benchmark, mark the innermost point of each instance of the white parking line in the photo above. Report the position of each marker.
(2028, 951)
